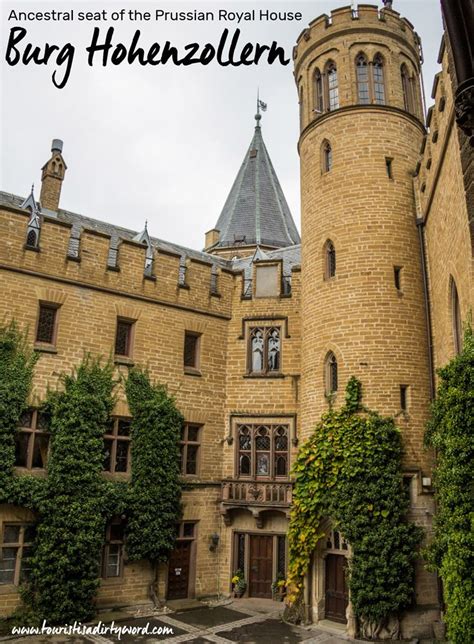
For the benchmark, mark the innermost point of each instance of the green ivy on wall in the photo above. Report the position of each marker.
(155, 487)
(73, 503)
(350, 471)
(451, 432)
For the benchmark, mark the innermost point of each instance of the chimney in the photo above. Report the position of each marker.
(52, 177)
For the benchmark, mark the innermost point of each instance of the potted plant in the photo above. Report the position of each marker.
(279, 588)
(239, 585)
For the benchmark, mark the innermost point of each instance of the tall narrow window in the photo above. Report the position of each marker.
(17, 540)
(318, 92)
(379, 83)
(404, 397)
(330, 260)
(112, 558)
(117, 446)
(32, 440)
(407, 88)
(264, 350)
(388, 167)
(191, 350)
(331, 373)
(327, 156)
(189, 447)
(332, 86)
(456, 317)
(301, 107)
(362, 71)
(123, 338)
(397, 277)
(46, 327)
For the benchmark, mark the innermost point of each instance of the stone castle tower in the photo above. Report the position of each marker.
(361, 113)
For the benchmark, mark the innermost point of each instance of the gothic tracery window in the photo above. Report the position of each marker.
(362, 71)
(330, 260)
(265, 350)
(379, 81)
(327, 156)
(331, 376)
(407, 89)
(332, 86)
(263, 451)
(318, 92)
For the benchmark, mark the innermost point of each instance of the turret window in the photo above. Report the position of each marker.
(407, 87)
(318, 92)
(327, 156)
(330, 260)
(332, 86)
(362, 70)
(379, 83)
(330, 376)
(456, 317)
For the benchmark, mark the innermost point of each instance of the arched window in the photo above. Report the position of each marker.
(32, 239)
(301, 107)
(362, 72)
(456, 317)
(330, 260)
(332, 86)
(318, 92)
(331, 373)
(326, 156)
(379, 82)
(407, 88)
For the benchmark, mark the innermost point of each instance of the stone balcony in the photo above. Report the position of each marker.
(255, 496)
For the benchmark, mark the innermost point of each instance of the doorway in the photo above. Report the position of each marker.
(261, 566)
(335, 588)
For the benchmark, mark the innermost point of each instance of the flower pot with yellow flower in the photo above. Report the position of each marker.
(279, 588)
(239, 585)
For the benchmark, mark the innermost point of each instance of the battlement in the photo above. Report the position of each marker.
(348, 19)
(173, 278)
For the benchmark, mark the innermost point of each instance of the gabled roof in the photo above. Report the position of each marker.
(256, 211)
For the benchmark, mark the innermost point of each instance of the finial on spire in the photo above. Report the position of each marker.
(260, 106)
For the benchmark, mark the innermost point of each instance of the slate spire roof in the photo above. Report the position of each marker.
(256, 211)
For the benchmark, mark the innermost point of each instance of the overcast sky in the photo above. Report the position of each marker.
(161, 143)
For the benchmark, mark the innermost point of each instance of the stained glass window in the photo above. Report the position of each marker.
(265, 352)
(263, 451)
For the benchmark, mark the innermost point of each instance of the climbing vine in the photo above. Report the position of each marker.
(155, 488)
(71, 520)
(350, 471)
(17, 362)
(451, 432)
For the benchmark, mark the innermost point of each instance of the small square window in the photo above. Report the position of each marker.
(188, 530)
(46, 327)
(123, 338)
(191, 350)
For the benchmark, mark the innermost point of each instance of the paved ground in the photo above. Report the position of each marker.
(249, 621)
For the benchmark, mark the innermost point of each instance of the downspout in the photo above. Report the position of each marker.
(420, 224)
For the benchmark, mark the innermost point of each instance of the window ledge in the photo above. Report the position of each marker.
(123, 360)
(192, 371)
(45, 348)
(73, 258)
(150, 278)
(114, 269)
(267, 376)
(35, 249)
(185, 286)
(7, 589)
(37, 472)
(218, 295)
(400, 293)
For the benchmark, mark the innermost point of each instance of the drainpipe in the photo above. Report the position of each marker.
(420, 224)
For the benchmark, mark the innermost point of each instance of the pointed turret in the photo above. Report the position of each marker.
(256, 212)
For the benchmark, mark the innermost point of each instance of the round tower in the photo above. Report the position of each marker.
(361, 114)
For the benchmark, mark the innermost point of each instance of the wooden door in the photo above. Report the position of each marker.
(178, 571)
(261, 566)
(336, 590)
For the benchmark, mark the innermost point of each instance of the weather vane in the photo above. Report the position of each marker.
(260, 106)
